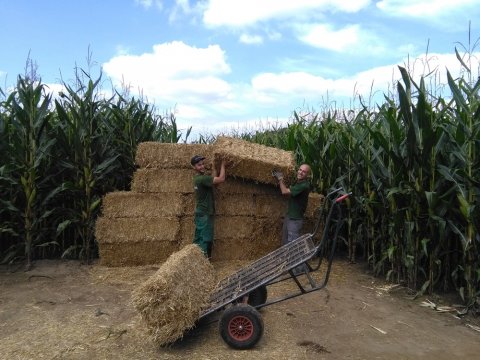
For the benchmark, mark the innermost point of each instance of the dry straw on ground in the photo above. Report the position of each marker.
(171, 300)
(253, 161)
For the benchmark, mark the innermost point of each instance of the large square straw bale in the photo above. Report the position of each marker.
(129, 204)
(187, 230)
(170, 155)
(315, 202)
(234, 204)
(253, 161)
(233, 249)
(230, 226)
(125, 230)
(234, 185)
(171, 300)
(268, 206)
(163, 181)
(135, 253)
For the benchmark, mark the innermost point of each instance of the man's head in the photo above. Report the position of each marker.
(197, 163)
(303, 172)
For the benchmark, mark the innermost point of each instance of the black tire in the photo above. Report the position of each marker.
(241, 326)
(258, 296)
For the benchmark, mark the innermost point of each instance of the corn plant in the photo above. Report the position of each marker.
(29, 161)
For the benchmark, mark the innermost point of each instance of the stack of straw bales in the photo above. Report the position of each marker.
(154, 219)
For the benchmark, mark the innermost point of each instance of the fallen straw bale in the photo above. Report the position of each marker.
(129, 204)
(170, 155)
(171, 300)
(253, 161)
(126, 230)
(163, 181)
(135, 253)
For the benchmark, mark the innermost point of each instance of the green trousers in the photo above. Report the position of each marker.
(204, 233)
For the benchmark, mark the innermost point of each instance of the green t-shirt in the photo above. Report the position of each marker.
(297, 203)
(203, 186)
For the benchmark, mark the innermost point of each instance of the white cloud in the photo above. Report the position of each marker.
(147, 4)
(251, 39)
(174, 70)
(175, 74)
(248, 12)
(423, 8)
(350, 39)
(272, 88)
(323, 36)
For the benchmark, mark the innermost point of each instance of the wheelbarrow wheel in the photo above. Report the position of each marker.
(241, 326)
(258, 296)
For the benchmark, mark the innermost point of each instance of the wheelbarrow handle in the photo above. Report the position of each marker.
(343, 197)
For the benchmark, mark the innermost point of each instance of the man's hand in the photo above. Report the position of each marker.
(277, 174)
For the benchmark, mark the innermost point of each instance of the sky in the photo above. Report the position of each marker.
(240, 65)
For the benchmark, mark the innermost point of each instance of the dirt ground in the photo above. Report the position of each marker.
(66, 310)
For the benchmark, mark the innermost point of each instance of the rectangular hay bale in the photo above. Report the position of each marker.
(253, 161)
(268, 206)
(172, 299)
(121, 230)
(135, 254)
(315, 202)
(170, 155)
(129, 204)
(234, 204)
(163, 181)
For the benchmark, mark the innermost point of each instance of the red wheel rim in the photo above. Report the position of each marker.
(240, 328)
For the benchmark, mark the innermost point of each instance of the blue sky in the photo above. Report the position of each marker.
(225, 65)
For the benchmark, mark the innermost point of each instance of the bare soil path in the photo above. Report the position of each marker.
(65, 310)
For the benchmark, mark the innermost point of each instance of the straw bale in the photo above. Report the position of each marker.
(234, 204)
(225, 226)
(135, 254)
(270, 205)
(171, 300)
(229, 226)
(167, 155)
(234, 185)
(187, 230)
(315, 201)
(128, 204)
(268, 230)
(163, 181)
(233, 249)
(128, 230)
(189, 203)
(253, 161)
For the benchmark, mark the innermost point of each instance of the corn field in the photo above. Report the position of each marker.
(59, 157)
(413, 166)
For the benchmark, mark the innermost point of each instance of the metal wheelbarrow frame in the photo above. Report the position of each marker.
(240, 295)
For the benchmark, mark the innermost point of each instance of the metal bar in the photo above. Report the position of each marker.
(261, 272)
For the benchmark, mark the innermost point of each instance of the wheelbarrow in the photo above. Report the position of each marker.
(239, 296)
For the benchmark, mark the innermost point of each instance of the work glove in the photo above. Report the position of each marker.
(277, 174)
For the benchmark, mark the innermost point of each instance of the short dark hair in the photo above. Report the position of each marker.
(196, 159)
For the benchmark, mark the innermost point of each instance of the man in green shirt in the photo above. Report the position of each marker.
(205, 202)
(297, 203)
